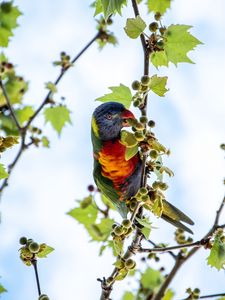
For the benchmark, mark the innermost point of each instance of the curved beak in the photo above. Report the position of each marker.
(126, 116)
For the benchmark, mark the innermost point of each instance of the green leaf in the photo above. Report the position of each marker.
(45, 251)
(168, 295)
(118, 246)
(130, 152)
(111, 7)
(122, 274)
(3, 173)
(128, 139)
(134, 27)
(2, 289)
(121, 94)
(151, 279)
(146, 230)
(15, 87)
(157, 207)
(45, 142)
(98, 7)
(51, 87)
(4, 37)
(179, 42)
(24, 114)
(128, 296)
(58, 116)
(159, 58)
(101, 231)
(85, 216)
(8, 17)
(158, 5)
(158, 85)
(217, 254)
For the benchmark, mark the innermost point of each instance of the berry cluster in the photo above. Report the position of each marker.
(180, 237)
(7, 142)
(30, 250)
(64, 62)
(121, 231)
(193, 294)
(157, 37)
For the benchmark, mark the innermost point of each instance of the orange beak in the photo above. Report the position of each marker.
(126, 115)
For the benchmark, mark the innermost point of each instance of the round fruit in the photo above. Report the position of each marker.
(23, 240)
(126, 223)
(145, 79)
(135, 85)
(130, 263)
(34, 247)
(153, 26)
(151, 123)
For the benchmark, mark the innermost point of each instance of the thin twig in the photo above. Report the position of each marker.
(34, 263)
(23, 130)
(63, 71)
(167, 249)
(207, 296)
(131, 250)
(6, 96)
(169, 252)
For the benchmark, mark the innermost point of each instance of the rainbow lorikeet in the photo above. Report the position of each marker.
(117, 178)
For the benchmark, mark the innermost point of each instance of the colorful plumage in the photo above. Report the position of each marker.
(117, 178)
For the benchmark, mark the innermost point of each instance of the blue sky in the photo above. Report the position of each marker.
(190, 121)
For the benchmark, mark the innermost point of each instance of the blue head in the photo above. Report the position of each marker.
(109, 118)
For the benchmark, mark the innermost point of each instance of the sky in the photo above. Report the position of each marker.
(46, 182)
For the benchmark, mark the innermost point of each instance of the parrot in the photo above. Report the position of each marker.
(119, 179)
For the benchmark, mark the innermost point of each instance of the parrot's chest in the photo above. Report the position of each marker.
(113, 163)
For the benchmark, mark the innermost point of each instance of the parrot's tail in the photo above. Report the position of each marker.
(174, 216)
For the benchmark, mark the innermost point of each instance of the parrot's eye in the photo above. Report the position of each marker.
(109, 116)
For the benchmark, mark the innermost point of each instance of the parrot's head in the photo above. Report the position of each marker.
(108, 120)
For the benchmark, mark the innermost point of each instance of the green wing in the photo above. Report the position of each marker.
(107, 189)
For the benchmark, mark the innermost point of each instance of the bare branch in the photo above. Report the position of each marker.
(34, 263)
(169, 252)
(167, 249)
(208, 296)
(181, 259)
(63, 71)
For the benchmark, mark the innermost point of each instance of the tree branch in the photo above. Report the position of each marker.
(181, 259)
(63, 71)
(208, 296)
(5, 94)
(34, 263)
(23, 130)
(168, 249)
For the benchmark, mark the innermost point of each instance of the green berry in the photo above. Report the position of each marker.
(43, 297)
(151, 123)
(155, 185)
(139, 136)
(143, 119)
(157, 16)
(153, 154)
(196, 291)
(114, 225)
(130, 263)
(143, 191)
(118, 230)
(23, 240)
(153, 26)
(126, 223)
(144, 88)
(162, 30)
(34, 247)
(145, 80)
(109, 21)
(195, 296)
(135, 85)
(139, 126)
(157, 259)
(163, 186)
(133, 205)
(145, 198)
(136, 103)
